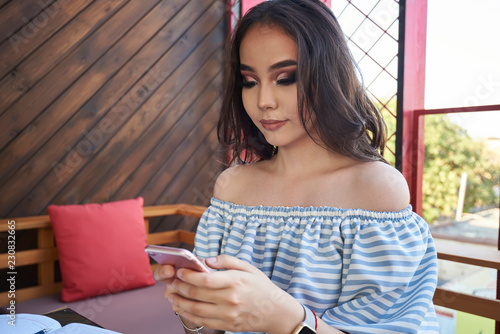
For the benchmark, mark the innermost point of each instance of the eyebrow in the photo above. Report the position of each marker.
(278, 65)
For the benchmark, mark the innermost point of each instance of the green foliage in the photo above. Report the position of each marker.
(450, 151)
(388, 111)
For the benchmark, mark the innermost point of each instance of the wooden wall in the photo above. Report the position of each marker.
(108, 99)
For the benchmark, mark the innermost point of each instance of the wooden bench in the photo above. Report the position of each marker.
(45, 254)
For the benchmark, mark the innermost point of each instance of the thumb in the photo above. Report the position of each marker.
(228, 262)
(163, 272)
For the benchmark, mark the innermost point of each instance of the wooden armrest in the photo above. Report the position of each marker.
(33, 256)
(469, 254)
(174, 209)
(36, 222)
(483, 307)
(171, 236)
(26, 223)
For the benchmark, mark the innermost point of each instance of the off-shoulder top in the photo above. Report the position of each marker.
(360, 271)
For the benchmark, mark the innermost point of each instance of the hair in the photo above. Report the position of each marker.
(327, 85)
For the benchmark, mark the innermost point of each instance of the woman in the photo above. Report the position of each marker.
(311, 231)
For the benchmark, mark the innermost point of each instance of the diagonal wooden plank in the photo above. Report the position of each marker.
(26, 71)
(171, 153)
(194, 184)
(50, 185)
(55, 83)
(79, 127)
(149, 150)
(20, 45)
(19, 13)
(136, 126)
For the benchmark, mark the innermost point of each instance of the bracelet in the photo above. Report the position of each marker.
(315, 320)
(196, 329)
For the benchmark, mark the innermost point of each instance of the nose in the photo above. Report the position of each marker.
(267, 100)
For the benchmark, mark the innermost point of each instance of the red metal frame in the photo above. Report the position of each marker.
(233, 19)
(247, 4)
(412, 100)
(418, 142)
(412, 95)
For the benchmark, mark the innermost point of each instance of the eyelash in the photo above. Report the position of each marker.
(248, 84)
(290, 80)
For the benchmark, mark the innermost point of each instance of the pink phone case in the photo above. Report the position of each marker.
(177, 257)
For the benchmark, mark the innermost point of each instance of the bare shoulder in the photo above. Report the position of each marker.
(381, 187)
(231, 181)
(225, 185)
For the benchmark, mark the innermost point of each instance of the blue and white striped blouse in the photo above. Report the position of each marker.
(360, 271)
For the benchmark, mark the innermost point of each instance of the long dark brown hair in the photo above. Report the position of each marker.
(347, 122)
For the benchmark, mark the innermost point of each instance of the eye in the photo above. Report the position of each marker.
(287, 78)
(248, 82)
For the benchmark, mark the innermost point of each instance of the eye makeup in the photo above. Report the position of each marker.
(287, 78)
(283, 73)
(284, 79)
(248, 81)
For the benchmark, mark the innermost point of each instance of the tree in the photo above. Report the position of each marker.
(450, 151)
(388, 111)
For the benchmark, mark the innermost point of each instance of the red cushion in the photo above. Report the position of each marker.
(101, 248)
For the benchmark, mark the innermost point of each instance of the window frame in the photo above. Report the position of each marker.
(410, 149)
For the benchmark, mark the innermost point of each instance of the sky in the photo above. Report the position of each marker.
(463, 54)
(463, 61)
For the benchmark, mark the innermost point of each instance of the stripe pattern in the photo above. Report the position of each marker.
(360, 271)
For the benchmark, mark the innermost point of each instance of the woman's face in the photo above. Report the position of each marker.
(268, 60)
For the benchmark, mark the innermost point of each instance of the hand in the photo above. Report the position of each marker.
(165, 274)
(241, 298)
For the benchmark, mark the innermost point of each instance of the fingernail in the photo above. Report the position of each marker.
(169, 271)
(211, 260)
(164, 271)
(170, 299)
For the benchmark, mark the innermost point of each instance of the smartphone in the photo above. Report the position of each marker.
(177, 257)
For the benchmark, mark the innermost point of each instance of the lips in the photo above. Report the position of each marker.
(271, 124)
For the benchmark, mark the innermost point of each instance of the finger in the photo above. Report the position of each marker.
(162, 273)
(200, 313)
(213, 323)
(168, 291)
(214, 280)
(199, 308)
(194, 292)
(237, 269)
(228, 262)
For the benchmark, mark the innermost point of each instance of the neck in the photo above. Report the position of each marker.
(309, 158)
